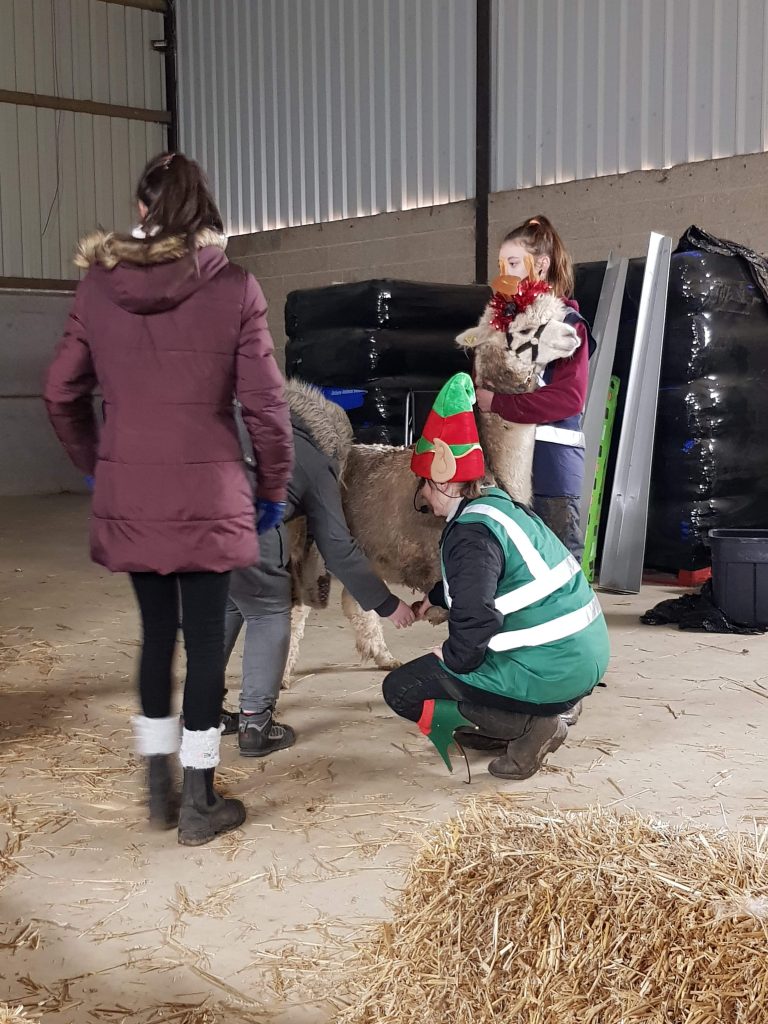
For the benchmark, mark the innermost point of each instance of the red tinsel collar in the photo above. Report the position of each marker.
(504, 310)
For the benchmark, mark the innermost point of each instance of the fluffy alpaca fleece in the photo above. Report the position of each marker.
(108, 249)
(378, 486)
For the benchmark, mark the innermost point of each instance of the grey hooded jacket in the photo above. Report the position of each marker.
(322, 437)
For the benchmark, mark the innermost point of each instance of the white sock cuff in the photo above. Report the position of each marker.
(156, 735)
(200, 748)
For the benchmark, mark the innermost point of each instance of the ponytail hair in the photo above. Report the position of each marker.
(540, 239)
(177, 196)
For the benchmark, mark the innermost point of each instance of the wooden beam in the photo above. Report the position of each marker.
(31, 99)
(37, 284)
(144, 5)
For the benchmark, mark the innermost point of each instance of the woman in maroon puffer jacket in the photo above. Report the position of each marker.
(170, 331)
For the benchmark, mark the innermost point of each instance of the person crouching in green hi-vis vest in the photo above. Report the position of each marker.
(526, 635)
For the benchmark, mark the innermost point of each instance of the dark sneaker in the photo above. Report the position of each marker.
(259, 735)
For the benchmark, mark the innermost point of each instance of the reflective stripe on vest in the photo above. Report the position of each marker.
(536, 565)
(548, 632)
(559, 435)
(538, 588)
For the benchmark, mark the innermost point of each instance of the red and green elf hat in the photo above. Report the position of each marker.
(449, 448)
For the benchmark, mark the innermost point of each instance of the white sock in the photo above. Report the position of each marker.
(156, 735)
(200, 747)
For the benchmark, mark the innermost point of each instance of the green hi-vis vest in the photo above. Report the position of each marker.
(553, 645)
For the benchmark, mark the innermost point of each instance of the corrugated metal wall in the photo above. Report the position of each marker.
(63, 173)
(311, 110)
(584, 88)
(314, 110)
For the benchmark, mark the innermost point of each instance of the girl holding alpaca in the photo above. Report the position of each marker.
(534, 253)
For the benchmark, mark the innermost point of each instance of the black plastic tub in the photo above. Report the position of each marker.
(740, 574)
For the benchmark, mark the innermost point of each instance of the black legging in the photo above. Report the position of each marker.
(201, 610)
(406, 688)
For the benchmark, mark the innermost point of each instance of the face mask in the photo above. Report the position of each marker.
(507, 285)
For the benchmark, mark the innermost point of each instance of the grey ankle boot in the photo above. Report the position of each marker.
(204, 814)
(526, 754)
(163, 789)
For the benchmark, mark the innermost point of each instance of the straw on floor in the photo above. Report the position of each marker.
(589, 918)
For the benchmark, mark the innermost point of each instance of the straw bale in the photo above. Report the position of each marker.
(580, 918)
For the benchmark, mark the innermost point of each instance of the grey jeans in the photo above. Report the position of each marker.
(260, 597)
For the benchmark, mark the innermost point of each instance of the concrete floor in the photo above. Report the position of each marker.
(104, 920)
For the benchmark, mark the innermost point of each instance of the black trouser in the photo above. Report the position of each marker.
(406, 688)
(199, 599)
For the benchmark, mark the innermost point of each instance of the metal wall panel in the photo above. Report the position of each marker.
(62, 173)
(305, 111)
(81, 49)
(584, 88)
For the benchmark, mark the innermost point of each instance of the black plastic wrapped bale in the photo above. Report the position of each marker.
(710, 466)
(383, 339)
(350, 356)
(397, 305)
(380, 418)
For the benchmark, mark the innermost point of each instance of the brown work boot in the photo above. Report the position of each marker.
(526, 755)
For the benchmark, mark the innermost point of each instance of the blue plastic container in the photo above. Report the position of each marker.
(347, 398)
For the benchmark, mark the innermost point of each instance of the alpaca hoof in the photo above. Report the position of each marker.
(387, 662)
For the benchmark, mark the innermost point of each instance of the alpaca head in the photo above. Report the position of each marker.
(511, 362)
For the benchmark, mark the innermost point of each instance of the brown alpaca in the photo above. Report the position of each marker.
(379, 488)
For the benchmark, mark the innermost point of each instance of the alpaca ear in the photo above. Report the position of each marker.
(470, 338)
(443, 463)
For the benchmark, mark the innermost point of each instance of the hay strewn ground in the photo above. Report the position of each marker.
(537, 918)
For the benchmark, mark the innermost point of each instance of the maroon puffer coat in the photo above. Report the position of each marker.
(169, 336)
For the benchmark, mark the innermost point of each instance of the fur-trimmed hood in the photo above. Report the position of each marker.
(325, 424)
(151, 275)
(108, 249)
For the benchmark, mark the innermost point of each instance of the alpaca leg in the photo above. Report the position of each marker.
(299, 615)
(369, 636)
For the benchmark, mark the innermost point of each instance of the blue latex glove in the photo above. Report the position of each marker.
(89, 483)
(270, 514)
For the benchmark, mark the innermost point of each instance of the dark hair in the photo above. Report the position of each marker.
(178, 198)
(540, 239)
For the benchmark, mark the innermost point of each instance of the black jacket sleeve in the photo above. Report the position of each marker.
(474, 563)
(437, 595)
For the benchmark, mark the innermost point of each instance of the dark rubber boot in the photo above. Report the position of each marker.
(163, 789)
(572, 715)
(260, 735)
(473, 740)
(204, 814)
(526, 755)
